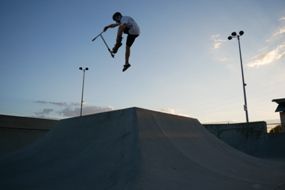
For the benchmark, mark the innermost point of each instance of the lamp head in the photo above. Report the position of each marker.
(234, 34)
(229, 38)
(241, 33)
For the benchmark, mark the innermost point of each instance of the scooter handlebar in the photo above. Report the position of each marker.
(97, 36)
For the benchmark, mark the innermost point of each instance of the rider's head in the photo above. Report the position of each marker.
(117, 17)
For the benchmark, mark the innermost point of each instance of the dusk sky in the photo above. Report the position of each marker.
(182, 62)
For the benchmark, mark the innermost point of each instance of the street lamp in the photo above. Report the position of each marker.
(82, 69)
(235, 35)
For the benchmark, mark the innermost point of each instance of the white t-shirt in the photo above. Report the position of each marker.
(131, 25)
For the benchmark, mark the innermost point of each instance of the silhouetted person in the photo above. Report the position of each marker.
(128, 26)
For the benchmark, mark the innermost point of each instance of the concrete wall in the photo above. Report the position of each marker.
(251, 138)
(18, 132)
(247, 137)
(245, 130)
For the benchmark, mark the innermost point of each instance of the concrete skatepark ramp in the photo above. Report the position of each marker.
(135, 149)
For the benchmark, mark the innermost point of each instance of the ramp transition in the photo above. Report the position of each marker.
(135, 149)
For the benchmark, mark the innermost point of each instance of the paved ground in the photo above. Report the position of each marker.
(135, 149)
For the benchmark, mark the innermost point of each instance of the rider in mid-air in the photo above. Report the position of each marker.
(128, 26)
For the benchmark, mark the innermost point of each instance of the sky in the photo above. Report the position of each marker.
(182, 63)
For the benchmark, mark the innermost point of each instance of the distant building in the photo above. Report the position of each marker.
(281, 109)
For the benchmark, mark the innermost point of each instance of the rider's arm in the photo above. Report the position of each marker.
(111, 26)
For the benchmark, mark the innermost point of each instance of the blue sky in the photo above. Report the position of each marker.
(182, 62)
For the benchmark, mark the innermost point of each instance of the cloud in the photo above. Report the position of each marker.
(223, 59)
(61, 104)
(64, 109)
(172, 111)
(273, 51)
(268, 57)
(279, 32)
(44, 113)
(217, 51)
(168, 110)
(217, 42)
(75, 111)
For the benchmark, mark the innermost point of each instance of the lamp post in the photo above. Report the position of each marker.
(235, 35)
(82, 69)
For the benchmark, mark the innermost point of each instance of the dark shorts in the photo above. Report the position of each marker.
(131, 38)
